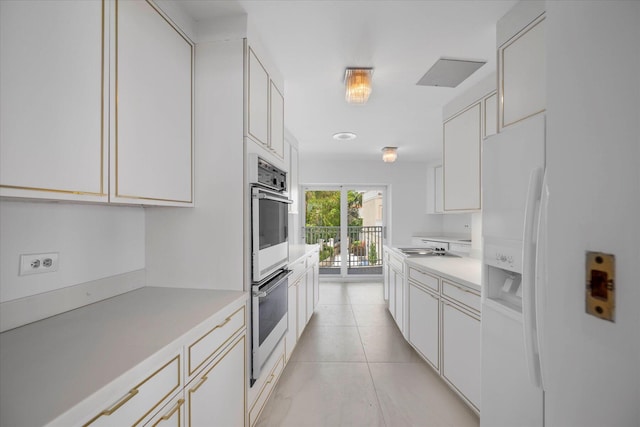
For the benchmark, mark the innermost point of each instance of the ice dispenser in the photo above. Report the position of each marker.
(503, 275)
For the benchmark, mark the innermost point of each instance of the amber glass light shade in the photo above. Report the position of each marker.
(357, 82)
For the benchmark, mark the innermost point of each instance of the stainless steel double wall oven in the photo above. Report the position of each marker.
(269, 259)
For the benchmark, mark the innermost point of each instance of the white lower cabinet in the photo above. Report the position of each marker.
(136, 403)
(399, 300)
(292, 321)
(267, 386)
(424, 323)
(217, 395)
(301, 289)
(395, 286)
(444, 328)
(461, 351)
(310, 294)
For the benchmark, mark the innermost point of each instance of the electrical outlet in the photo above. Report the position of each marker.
(38, 263)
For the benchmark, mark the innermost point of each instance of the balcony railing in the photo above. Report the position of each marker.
(364, 243)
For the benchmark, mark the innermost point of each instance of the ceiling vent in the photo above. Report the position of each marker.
(447, 72)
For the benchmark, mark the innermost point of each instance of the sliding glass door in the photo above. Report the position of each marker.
(348, 224)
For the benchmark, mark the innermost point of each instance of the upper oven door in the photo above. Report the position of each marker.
(269, 233)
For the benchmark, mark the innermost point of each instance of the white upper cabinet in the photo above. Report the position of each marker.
(438, 202)
(276, 127)
(521, 63)
(434, 190)
(462, 160)
(258, 114)
(96, 103)
(490, 105)
(53, 104)
(265, 107)
(152, 148)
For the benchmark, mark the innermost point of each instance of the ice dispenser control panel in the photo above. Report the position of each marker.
(600, 286)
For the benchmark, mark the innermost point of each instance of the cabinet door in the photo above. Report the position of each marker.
(53, 100)
(399, 300)
(292, 321)
(462, 161)
(438, 189)
(293, 179)
(316, 282)
(258, 101)
(276, 120)
(424, 323)
(302, 304)
(461, 351)
(217, 395)
(522, 77)
(310, 296)
(490, 115)
(152, 149)
(392, 292)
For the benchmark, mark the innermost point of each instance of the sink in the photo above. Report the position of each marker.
(426, 252)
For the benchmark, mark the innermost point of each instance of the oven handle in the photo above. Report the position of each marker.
(263, 193)
(274, 198)
(261, 294)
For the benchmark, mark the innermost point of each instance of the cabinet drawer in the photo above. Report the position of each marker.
(142, 399)
(209, 344)
(424, 279)
(461, 294)
(299, 267)
(396, 264)
(267, 388)
(171, 415)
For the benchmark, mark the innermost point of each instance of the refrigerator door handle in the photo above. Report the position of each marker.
(528, 275)
(541, 277)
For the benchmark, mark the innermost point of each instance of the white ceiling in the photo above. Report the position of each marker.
(312, 42)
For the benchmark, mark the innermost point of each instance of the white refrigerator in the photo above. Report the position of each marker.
(513, 173)
(557, 186)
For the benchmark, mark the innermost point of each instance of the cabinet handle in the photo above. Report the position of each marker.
(127, 397)
(270, 379)
(227, 320)
(463, 289)
(202, 381)
(173, 410)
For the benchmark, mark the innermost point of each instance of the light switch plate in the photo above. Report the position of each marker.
(600, 285)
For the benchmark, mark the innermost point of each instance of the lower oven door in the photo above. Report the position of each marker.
(269, 318)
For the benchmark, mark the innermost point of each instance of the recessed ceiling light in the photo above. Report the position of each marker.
(344, 136)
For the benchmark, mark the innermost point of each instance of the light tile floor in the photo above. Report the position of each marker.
(352, 367)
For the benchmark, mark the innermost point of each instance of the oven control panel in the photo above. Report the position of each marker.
(264, 173)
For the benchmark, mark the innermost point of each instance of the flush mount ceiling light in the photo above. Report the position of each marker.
(357, 82)
(389, 154)
(344, 136)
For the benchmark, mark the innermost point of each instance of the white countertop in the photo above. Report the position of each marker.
(55, 363)
(298, 251)
(464, 270)
(465, 240)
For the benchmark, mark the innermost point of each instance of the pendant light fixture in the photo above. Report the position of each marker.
(357, 83)
(389, 154)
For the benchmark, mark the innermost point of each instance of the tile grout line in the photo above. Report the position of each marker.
(375, 389)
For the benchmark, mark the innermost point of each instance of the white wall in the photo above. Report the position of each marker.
(406, 180)
(593, 158)
(93, 242)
